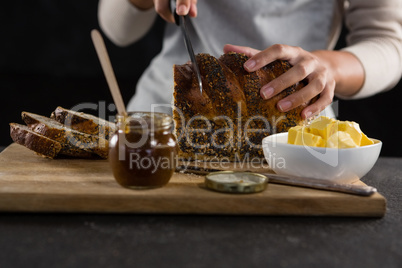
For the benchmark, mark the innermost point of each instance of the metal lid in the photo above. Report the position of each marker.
(236, 182)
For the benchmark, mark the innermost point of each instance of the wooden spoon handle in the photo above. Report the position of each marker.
(108, 71)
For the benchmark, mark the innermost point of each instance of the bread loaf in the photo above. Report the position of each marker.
(40, 144)
(230, 118)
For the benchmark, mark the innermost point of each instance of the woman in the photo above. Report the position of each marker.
(304, 32)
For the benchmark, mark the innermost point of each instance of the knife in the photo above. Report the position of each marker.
(357, 189)
(314, 183)
(181, 21)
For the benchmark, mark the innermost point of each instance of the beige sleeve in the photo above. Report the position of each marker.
(375, 38)
(122, 22)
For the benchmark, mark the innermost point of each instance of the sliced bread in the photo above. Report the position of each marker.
(38, 143)
(73, 142)
(83, 122)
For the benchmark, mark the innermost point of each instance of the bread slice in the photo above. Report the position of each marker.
(83, 122)
(74, 143)
(40, 144)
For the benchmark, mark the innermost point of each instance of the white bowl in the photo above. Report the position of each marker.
(337, 165)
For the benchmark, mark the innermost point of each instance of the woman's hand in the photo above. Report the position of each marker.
(320, 69)
(305, 66)
(183, 7)
(162, 7)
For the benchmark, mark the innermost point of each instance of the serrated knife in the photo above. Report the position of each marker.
(181, 21)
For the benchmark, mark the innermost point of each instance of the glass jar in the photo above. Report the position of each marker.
(142, 152)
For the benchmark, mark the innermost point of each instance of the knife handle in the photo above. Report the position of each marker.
(172, 4)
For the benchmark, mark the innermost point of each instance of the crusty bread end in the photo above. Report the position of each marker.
(40, 144)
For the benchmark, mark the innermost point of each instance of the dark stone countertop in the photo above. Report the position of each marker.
(120, 240)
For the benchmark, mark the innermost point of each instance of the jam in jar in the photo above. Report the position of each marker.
(142, 152)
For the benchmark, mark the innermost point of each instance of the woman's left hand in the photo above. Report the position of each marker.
(306, 65)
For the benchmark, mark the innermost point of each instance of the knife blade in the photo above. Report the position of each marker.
(349, 188)
(357, 189)
(181, 21)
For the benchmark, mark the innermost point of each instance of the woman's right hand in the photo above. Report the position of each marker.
(183, 7)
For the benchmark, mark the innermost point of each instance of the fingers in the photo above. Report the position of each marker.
(186, 7)
(193, 9)
(240, 49)
(272, 53)
(294, 75)
(323, 101)
(305, 66)
(162, 7)
(183, 7)
(318, 86)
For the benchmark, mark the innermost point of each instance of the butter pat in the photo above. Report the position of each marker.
(366, 140)
(323, 126)
(308, 139)
(353, 129)
(328, 132)
(341, 140)
(292, 134)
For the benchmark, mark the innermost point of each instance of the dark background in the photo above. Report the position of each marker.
(47, 60)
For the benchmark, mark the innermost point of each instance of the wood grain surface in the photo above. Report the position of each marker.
(30, 183)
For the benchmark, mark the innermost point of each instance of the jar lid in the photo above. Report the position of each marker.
(236, 182)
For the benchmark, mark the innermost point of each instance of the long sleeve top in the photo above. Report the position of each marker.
(375, 36)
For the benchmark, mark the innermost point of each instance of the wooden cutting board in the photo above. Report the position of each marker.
(30, 183)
